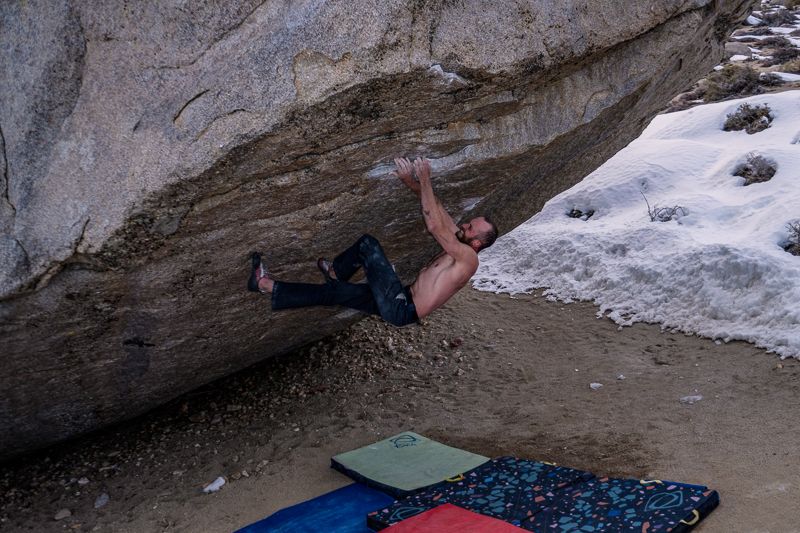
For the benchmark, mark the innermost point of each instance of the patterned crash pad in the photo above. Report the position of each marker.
(339, 511)
(405, 463)
(451, 519)
(505, 488)
(613, 505)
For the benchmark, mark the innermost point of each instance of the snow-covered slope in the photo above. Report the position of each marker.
(719, 270)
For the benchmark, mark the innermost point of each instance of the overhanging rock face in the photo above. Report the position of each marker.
(146, 149)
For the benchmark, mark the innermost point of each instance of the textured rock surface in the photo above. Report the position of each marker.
(146, 149)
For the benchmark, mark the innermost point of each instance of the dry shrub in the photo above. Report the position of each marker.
(757, 169)
(786, 54)
(770, 79)
(792, 66)
(664, 214)
(776, 42)
(583, 215)
(731, 81)
(777, 17)
(753, 30)
(751, 119)
(793, 246)
(782, 55)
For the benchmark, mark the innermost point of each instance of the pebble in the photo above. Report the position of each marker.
(689, 400)
(595, 386)
(62, 514)
(621, 377)
(215, 485)
(83, 481)
(101, 501)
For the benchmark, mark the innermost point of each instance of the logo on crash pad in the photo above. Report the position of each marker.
(404, 441)
(664, 500)
(405, 512)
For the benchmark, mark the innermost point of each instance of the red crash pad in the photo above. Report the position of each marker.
(448, 518)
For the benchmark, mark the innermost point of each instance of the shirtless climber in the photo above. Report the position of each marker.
(384, 294)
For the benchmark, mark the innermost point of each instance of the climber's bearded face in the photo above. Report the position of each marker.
(472, 230)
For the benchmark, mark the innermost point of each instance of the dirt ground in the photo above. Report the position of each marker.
(489, 373)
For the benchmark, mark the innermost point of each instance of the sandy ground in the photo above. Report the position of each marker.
(487, 373)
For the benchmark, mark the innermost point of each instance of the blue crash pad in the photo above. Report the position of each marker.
(343, 510)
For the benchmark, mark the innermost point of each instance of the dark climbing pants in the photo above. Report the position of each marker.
(383, 294)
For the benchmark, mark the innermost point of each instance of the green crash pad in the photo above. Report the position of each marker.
(406, 463)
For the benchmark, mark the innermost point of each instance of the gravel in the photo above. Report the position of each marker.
(241, 412)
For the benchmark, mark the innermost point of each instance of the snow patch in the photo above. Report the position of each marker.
(450, 78)
(785, 76)
(719, 273)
